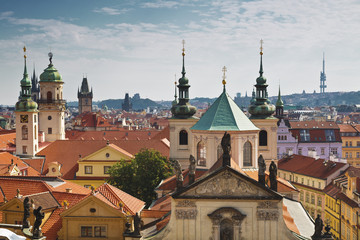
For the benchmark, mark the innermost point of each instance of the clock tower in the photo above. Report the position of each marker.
(26, 115)
(51, 104)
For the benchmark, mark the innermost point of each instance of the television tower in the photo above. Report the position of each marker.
(323, 77)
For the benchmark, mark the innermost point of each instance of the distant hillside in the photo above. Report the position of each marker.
(297, 99)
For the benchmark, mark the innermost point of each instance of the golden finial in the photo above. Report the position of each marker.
(24, 51)
(261, 46)
(224, 75)
(183, 49)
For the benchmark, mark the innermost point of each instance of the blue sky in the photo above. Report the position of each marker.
(135, 46)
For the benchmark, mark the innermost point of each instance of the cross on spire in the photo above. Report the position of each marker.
(183, 49)
(224, 76)
(261, 46)
(24, 48)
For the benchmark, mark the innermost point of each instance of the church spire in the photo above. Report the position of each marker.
(224, 69)
(183, 109)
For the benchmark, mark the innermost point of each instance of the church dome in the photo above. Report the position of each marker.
(50, 74)
(26, 105)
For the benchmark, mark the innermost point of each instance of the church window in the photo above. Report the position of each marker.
(24, 132)
(247, 154)
(49, 117)
(219, 151)
(88, 169)
(263, 138)
(107, 154)
(226, 229)
(99, 231)
(57, 97)
(183, 137)
(35, 118)
(86, 231)
(279, 137)
(49, 96)
(35, 132)
(201, 154)
(49, 130)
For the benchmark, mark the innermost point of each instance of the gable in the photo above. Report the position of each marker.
(85, 209)
(108, 153)
(228, 184)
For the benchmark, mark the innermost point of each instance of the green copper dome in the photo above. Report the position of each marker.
(260, 107)
(25, 103)
(50, 74)
(183, 109)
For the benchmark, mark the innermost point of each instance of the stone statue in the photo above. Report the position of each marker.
(273, 174)
(192, 169)
(226, 147)
(262, 168)
(137, 225)
(39, 216)
(26, 213)
(179, 177)
(318, 228)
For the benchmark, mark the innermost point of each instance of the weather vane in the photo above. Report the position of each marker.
(261, 46)
(50, 54)
(183, 50)
(224, 75)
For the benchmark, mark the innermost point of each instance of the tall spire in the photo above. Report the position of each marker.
(183, 72)
(279, 101)
(25, 69)
(323, 77)
(261, 54)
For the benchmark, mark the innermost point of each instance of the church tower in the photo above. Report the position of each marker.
(85, 97)
(26, 115)
(127, 106)
(182, 120)
(279, 107)
(51, 104)
(262, 111)
(35, 90)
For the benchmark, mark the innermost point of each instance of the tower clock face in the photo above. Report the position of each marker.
(24, 118)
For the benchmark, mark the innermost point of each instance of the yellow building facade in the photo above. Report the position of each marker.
(93, 168)
(350, 136)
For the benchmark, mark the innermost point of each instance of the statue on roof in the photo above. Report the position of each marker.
(226, 146)
(137, 225)
(26, 203)
(179, 177)
(261, 171)
(192, 169)
(272, 176)
(318, 228)
(39, 216)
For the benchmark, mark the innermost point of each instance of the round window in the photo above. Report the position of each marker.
(107, 155)
(53, 169)
(49, 117)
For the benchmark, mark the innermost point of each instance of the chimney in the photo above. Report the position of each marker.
(68, 190)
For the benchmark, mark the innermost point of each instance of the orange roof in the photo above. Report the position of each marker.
(120, 134)
(313, 124)
(347, 128)
(36, 163)
(91, 119)
(163, 203)
(116, 196)
(153, 213)
(68, 152)
(7, 140)
(7, 160)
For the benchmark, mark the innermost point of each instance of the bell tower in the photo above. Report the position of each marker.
(26, 115)
(181, 137)
(51, 104)
(85, 97)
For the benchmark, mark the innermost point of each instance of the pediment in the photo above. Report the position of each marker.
(228, 184)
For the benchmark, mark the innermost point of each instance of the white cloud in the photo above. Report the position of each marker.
(161, 4)
(110, 11)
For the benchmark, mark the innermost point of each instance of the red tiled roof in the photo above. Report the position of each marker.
(7, 159)
(317, 135)
(91, 119)
(36, 163)
(68, 152)
(309, 166)
(120, 134)
(313, 124)
(153, 213)
(347, 200)
(289, 221)
(332, 190)
(163, 203)
(116, 196)
(7, 140)
(347, 128)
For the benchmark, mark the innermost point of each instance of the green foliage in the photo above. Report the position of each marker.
(140, 176)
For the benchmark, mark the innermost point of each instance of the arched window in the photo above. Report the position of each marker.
(247, 161)
(49, 96)
(183, 137)
(201, 154)
(24, 132)
(58, 97)
(35, 132)
(219, 151)
(263, 138)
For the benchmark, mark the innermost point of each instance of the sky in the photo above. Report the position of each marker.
(134, 46)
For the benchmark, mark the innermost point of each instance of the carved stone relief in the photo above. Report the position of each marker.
(186, 203)
(267, 211)
(226, 184)
(186, 213)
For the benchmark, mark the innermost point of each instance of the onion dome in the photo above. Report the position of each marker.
(261, 108)
(50, 74)
(25, 103)
(183, 109)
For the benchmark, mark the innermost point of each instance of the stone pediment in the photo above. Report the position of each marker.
(228, 184)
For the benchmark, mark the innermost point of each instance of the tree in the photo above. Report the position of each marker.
(140, 176)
